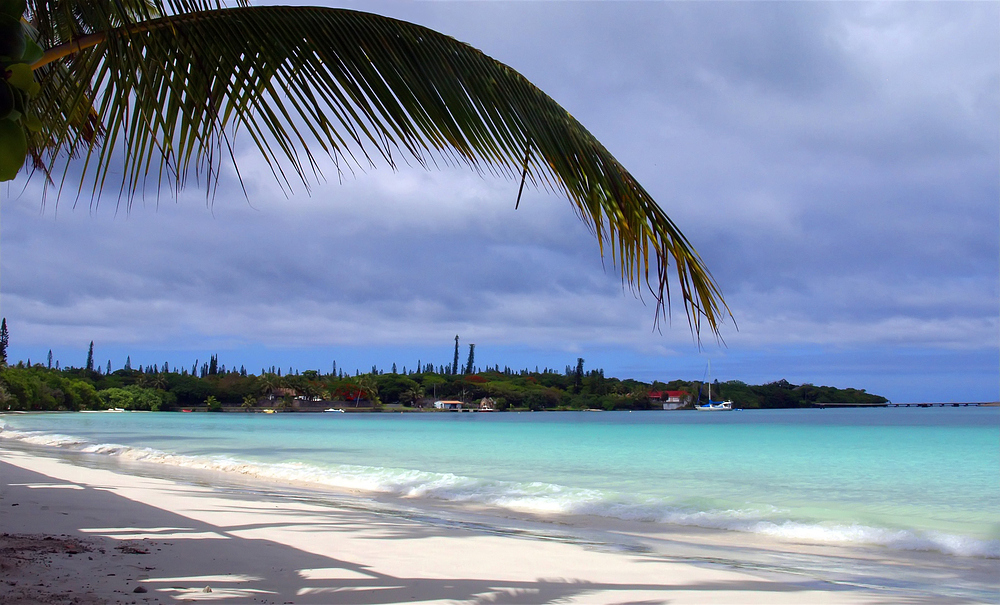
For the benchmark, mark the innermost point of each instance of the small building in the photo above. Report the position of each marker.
(455, 406)
(281, 392)
(671, 400)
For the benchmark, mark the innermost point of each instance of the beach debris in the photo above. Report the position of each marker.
(132, 549)
(32, 573)
(140, 589)
(207, 589)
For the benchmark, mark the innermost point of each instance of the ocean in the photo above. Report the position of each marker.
(900, 479)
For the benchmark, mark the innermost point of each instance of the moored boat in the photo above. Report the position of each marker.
(715, 406)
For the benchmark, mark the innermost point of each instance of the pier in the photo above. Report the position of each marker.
(937, 405)
(900, 405)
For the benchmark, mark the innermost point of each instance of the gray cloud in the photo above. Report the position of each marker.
(835, 164)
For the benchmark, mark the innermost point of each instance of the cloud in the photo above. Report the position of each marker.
(835, 165)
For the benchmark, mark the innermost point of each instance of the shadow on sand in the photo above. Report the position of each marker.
(243, 569)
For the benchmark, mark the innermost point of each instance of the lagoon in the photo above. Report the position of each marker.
(904, 480)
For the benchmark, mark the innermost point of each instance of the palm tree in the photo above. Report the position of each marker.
(412, 396)
(157, 90)
(267, 383)
(158, 381)
(368, 388)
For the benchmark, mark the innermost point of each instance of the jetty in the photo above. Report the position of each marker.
(890, 404)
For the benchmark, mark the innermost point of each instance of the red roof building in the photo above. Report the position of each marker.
(668, 396)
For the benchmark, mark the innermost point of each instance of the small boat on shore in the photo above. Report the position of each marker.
(334, 410)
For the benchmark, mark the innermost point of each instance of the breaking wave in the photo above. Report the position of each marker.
(530, 497)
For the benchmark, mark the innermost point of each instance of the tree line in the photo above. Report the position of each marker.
(42, 386)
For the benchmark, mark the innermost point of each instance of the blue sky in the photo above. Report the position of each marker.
(835, 164)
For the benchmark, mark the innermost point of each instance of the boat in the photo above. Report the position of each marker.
(334, 410)
(713, 406)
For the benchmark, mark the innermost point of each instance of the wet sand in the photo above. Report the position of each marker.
(80, 533)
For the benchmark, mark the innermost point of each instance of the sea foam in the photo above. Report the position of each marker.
(528, 497)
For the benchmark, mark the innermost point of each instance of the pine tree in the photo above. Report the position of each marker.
(454, 365)
(50, 360)
(3, 343)
(50, 363)
(578, 375)
(394, 367)
(472, 357)
(213, 365)
(90, 357)
(128, 363)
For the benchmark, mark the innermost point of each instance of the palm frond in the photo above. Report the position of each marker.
(171, 91)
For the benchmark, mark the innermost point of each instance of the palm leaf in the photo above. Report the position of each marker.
(172, 91)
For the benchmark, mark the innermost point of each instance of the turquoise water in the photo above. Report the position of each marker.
(903, 478)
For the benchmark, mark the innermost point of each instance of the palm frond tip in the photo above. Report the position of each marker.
(170, 92)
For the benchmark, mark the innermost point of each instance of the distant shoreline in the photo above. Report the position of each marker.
(396, 409)
(27, 386)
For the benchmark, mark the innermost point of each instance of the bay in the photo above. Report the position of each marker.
(901, 478)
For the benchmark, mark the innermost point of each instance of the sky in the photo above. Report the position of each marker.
(836, 165)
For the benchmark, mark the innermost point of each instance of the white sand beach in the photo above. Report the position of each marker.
(75, 533)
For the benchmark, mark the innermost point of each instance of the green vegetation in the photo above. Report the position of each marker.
(39, 387)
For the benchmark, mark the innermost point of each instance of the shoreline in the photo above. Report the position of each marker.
(250, 538)
(232, 408)
(505, 498)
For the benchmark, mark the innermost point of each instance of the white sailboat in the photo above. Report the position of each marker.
(713, 406)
